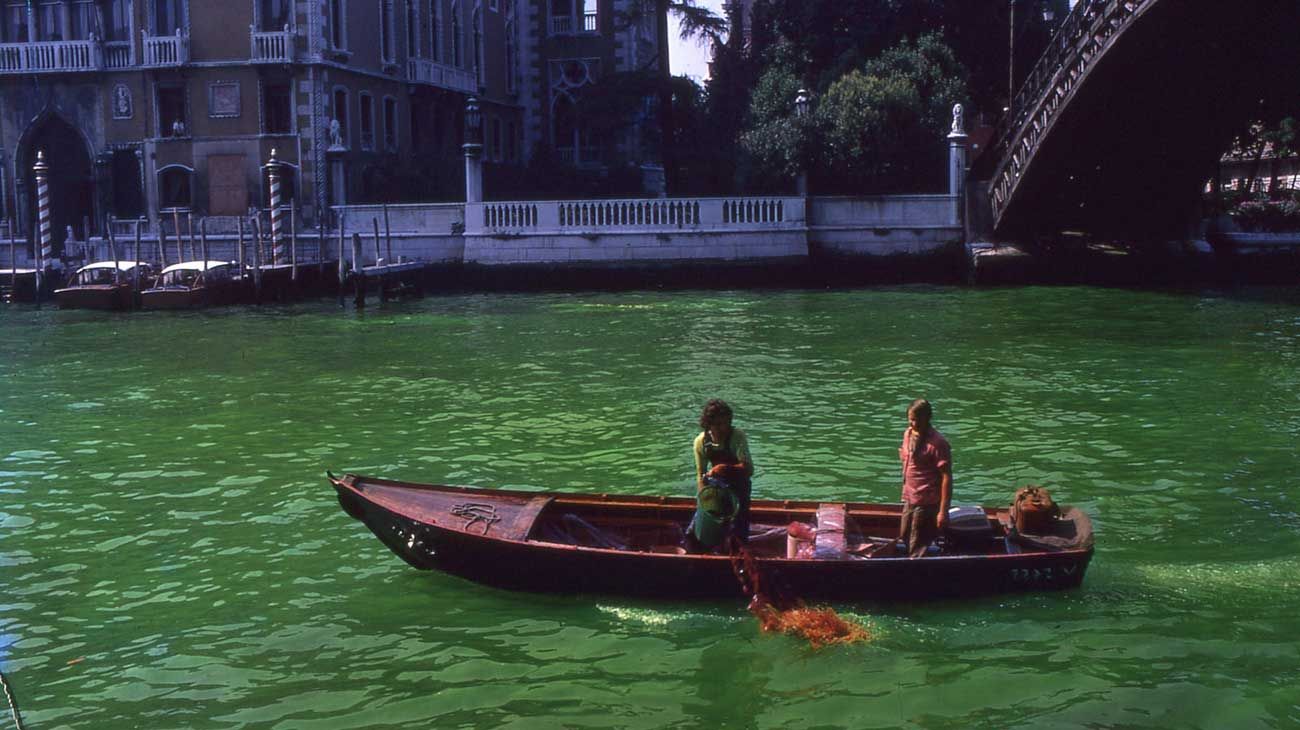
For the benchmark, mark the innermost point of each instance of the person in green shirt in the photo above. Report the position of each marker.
(722, 458)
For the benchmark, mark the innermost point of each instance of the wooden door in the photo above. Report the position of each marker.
(227, 185)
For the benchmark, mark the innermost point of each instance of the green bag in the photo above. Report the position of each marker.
(715, 507)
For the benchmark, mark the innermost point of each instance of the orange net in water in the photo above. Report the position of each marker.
(821, 626)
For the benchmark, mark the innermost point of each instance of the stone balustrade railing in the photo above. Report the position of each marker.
(633, 215)
(1078, 44)
(169, 50)
(424, 71)
(274, 46)
(51, 56)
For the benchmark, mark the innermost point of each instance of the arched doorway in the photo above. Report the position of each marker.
(71, 179)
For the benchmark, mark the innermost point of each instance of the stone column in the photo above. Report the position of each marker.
(957, 151)
(473, 149)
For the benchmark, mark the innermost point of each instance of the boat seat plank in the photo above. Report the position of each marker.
(523, 521)
(830, 542)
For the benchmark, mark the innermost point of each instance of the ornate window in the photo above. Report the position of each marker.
(367, 112)
(479, 72)
(571, 134)
(390, 124)
(412, 28)
(168, 17)
(387, 45)
(512, 48)
(15, 30)
(338, 13)
(275, 14)
(174, 187)
(435, 30)
(573, 16)
(457, 58)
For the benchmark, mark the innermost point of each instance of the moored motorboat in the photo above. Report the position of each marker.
(629, 545)
(105, 285)
(191, 284)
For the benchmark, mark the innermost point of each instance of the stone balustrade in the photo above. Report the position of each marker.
(634, 215)
(424, 71)
(169, 50)
(274, 46)
(51, 56)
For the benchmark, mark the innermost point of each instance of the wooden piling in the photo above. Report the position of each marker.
(13, 257)
(203, 241)
(293, 242)
(176, 228)
(358, 274)
(162, 244)
(239, 241)
(189, 225)
(257, 259)
(112, 247)
(135, 270)
(375, 223)
(341, 277)
(388, 235)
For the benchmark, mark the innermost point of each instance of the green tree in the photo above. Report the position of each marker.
(695, 22)
(880, 128)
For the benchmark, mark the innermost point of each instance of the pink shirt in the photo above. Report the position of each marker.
(922, 472)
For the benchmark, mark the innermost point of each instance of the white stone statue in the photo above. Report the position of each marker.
(336, 134)
(958, 119)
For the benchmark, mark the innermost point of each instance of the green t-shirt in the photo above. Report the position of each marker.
(738, 444)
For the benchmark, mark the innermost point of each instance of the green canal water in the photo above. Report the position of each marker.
(172, 557)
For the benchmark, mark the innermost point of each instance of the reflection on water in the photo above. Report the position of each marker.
(164, 517)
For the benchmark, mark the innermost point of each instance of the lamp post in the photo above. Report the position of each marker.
(1011, 60)
(473, 149)
(802, 108)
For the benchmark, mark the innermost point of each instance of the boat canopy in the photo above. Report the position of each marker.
(197, 266)
(121, 265)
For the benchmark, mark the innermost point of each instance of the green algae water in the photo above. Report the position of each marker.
(171, 555)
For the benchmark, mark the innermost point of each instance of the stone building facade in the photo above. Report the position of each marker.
(142, 107)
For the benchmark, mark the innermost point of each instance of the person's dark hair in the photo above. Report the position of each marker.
(920, 407)
(715, 410)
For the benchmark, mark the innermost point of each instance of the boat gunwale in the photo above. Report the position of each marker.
(349, 482)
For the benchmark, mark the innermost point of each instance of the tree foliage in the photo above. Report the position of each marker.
(876, 128)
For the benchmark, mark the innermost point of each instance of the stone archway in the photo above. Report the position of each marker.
(71, 178)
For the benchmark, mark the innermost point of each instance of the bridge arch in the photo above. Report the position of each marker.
(1127, 113)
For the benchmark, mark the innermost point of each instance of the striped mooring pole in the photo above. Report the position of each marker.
(46, 249)
(277, 223)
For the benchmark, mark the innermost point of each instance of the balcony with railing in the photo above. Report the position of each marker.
(118, 54)
(424, 71)
(51, 56)
(167, 50)
(275, 46)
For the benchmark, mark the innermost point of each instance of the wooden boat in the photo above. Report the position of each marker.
(104, 285)
(629, 545)
(192, 284)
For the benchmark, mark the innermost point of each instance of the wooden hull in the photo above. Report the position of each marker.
(106, 296)
(431, 527)
(195, 298)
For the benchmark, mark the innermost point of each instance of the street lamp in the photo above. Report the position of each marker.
(802, 107)
(473, 122)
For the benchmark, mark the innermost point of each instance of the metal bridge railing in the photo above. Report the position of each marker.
(1077, 45)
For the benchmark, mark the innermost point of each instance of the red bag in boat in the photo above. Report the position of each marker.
(1033, 510)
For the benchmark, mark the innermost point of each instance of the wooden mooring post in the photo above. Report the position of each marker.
(358, 274)
(342, 278)
(135, 270)
(257, 259)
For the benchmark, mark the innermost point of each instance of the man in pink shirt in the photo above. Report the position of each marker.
(927, 480)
